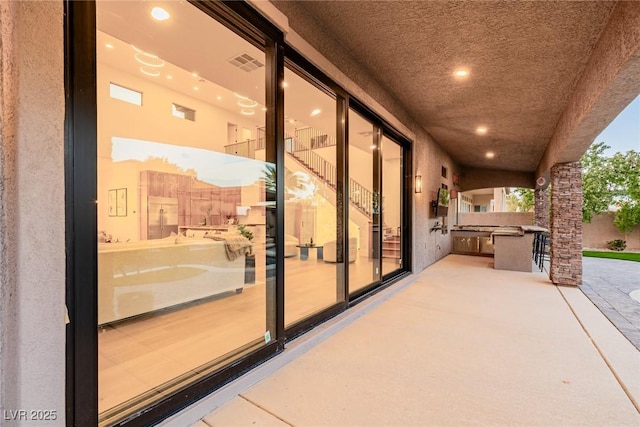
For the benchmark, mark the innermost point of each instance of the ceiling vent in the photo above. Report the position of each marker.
(246, 62)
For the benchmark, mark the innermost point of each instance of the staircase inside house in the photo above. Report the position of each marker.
(300, 147)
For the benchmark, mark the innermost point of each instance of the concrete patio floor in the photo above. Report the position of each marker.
(458, 344)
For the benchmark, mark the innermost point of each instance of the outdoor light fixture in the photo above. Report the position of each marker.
(418, 183)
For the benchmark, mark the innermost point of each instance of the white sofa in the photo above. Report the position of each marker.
(329, 251)
(140, 277)
(290, 245)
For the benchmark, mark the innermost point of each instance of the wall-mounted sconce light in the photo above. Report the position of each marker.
(418, 183)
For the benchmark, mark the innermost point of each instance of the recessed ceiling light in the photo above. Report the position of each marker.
(194, 74)
(481, 130)
(461, 73)
(264, 108)
(196, 88)
(247, 112)
(149, 60)
(149, 71)
(316, 112)
(285, 84)
(159, 14)
(490, 155)
(150, 55)
(373, 146)
(292, 121)
(219, 98)
(247, 103)
(108, 46)
(169, 76)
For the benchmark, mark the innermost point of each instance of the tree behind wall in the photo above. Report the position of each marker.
(520, 200)
(611, 182)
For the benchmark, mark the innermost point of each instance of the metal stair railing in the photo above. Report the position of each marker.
(301, 146)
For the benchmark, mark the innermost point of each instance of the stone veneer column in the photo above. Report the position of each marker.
(542, 207)
(566, 224)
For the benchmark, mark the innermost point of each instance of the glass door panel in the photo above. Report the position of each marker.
(182, 191)
(311, 282)
(364, 205)
(392, 190)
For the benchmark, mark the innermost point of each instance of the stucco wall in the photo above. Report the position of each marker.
(496, 218)
(600, 230)
(32, 225)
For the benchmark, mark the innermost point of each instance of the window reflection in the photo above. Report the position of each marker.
(363, 205)
(311, 268)
(184, 218)
(392, 186)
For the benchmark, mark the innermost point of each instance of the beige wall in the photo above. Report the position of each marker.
(496, 218)
(600, 230)
(32, 221)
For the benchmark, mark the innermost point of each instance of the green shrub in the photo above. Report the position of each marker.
(617, 245)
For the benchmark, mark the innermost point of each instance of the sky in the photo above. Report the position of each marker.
(623, 133)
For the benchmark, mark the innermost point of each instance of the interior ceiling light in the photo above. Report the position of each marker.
(285, 84)
(482, 130)
(196, 88)
(108, 46)
(373, 146)
(247, 112)
(219, 98)
(149, 60)
(461, 73)
(316, 112)
(150, 71)
(247, 103)
(194, 74)
(169, 76)
(264, 108)
(150, 55)
(159, 14)
(240, 96)
(490, 155)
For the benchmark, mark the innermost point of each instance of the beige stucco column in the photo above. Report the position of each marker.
(541, 208)
(566, 224)
(32, 200)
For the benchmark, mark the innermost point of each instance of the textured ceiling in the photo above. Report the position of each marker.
(524, 58)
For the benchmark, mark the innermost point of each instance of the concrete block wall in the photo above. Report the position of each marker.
(600, 230)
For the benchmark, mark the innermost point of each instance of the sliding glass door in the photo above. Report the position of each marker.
(364, 203)
(184, 218)
(312, 281)
(392, 198)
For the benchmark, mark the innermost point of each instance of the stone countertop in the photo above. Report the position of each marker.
(500, 229)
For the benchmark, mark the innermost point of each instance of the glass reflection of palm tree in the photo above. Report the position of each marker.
(292, 181)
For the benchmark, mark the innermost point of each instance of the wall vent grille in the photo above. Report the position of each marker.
(246, 62)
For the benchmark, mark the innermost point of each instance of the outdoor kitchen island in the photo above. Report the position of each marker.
(510, 245)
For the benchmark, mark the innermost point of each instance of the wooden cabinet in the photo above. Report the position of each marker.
(198, 202)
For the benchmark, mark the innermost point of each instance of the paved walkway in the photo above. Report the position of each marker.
(608, 283)
(460, 344)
